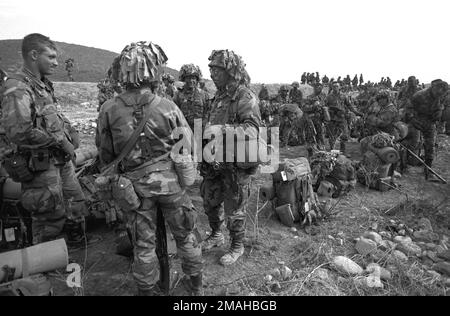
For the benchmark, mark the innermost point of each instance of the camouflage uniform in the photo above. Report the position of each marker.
(105, 93)
(382, 119)
(338, 105)
(193, 104)
(424, 112)
(155, 183)
(296, 95)
(263, 94)
(31, 121)
(225, 190)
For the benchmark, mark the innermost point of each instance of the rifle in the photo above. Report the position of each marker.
(423, 163)
(161, 252)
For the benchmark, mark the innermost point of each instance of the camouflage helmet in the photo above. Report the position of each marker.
(138, 63)
(284, 88)
(383, 94)
(231, 62)
(295, 84)
(190, 70)
(168, 77)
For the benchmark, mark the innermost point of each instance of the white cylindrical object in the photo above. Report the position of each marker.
(41, 258)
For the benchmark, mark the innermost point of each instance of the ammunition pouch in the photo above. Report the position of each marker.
(16, 164)
(124, 194)
(40, 160)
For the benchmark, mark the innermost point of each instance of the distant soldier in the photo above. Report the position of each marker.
(347, 80)
(405, 95)
(191, 100)
(388, 83)
(339, 106)
(303, 79)
(169, 86)
(283, 95)
(105, 92)
(325, 80)
(339, 80)
(355, 81)
(423, 112)
(69, 68)
(317, 77)
(296, 95)
(361, 80)
(263, 94)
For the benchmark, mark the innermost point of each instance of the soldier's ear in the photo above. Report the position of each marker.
(33, 54)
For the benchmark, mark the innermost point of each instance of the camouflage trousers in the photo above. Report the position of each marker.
(428, 131)
(181, 217)
(225, 196)
(53, 197)
(335, 130)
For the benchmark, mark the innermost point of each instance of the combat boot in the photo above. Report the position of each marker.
(194, 284)
(236, 250)
(429, 176)
(216, 239)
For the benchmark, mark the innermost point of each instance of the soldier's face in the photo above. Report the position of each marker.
(191, 82)
(47, 62)
(219, 76)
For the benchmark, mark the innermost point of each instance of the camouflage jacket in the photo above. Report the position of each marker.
(382, 118)
(117, 121)
(263, 94)
(405, 95)
(236, 106)
(193, 104)
(425, 107)
(30, 118)
(339, 105)
(296, 96)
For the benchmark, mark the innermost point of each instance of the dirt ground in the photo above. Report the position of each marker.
(304, 251)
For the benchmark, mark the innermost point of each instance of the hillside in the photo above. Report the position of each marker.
(91, 64)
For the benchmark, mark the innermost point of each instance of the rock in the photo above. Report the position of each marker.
(322, 274)
(402, 232)
(370, 282)
(444, 255)
(401, 226)
(387, 245)
(276, 287)
(374, 237)
(425, 236)
(378, 255)
(374, 227)
(425, 224)
(409, 249)
(286, 273)
(376, 270)
(439, 249)
(402, 239)
(366, 246)
(347, 266)
(275, 273)
(442, 267)
(398, 256)
(386, 235)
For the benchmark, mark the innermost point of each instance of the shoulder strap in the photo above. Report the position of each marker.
(133, 138)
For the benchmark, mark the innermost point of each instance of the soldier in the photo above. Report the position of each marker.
(361, 80)
(296, 95)
(315, 111)
(308, 78)
(338, 105)
(149, 165)
(264, 93)
(405, 95)
(317, 77)
(282, 96)
(168, 89)
(424, 111)
(303, 79)
(382, 115)
(291, 124)
(191, 100)
(43, 144)
(355, 81)
(325, 80)
(234, 104)
(69, 68)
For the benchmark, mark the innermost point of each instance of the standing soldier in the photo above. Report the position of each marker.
(424, 112)
(149, 166)
(338, 105)
(283, 95)
(264, 93)
(296, 95)
(355, 81)
(405, 95)
(43, 146)
(315, 111)
(69, 68)
(325, 80)
(361, 80)
(234, 104)
(191, 100)
(303, 79)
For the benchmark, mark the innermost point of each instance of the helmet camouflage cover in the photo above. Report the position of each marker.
(138, 63)
(231, 62)
(190, 70)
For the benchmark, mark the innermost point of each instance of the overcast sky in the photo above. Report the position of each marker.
(278, 39)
